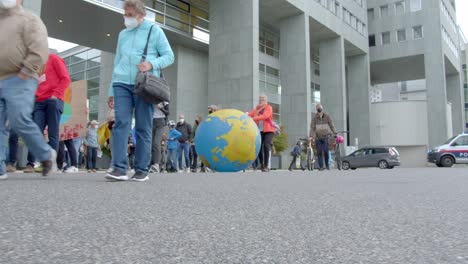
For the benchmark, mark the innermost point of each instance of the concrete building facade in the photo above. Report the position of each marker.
(296, 52)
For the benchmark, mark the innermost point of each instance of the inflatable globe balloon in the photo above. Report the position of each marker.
(227, 140)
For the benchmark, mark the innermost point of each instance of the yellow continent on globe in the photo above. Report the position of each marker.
(240, 140)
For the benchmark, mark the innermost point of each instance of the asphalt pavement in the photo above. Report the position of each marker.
(363, 216)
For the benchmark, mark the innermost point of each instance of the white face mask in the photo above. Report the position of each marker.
(181, 120)
(130, 22)
(7, 4)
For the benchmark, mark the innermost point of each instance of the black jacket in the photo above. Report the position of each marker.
(185, 129)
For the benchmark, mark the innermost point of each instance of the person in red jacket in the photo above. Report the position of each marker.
(48, 108)
(263, 117)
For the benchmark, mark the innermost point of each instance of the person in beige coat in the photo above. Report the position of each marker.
(23, 54)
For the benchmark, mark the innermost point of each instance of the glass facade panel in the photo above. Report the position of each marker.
(401, 35)
(417, 32)
(386, 38)
(400, 7)
(415, 5)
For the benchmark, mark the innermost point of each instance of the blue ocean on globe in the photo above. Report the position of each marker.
(227, 140)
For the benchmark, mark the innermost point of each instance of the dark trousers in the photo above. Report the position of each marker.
(158, 130)
(322, 149)
(47, 113)
(13, 148)
(92, 155)
(265, 150)
(193, 158)
(62, 155)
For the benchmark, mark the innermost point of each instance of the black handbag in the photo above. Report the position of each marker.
(149, 87)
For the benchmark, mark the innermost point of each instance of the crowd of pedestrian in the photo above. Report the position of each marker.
(139, 135)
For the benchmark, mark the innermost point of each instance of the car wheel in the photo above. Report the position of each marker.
(383, 164)
(439, 165)
(345, 165)
(447, 161)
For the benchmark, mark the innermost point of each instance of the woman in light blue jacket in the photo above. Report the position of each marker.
(130, 47)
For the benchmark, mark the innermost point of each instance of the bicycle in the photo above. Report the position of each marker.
(338, 140)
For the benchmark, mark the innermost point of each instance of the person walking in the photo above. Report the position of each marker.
(23, 53)
(320, 128)
(161, 111)
(48, 108)
(184, 144)
(92, 145)
(172, 145)
(72, 167)
(130, 48)
(193, 151)
(263, 117)
(296, 153)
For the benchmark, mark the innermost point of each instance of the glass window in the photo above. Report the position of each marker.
(77, 76)
(371, 40)
(415, 5)
(386, 38)
(346, 16)
(337, 9)
(93, 73)
(384, 11)
(272, 71)
(93, 92)
(78, 67)
(417, 32)
(261, 67)
(401, 35)
(353, 22)
(461, 141)
(370, 14)
(400, 7)
(93, 83)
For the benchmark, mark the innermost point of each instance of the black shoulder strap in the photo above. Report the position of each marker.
(145, 52)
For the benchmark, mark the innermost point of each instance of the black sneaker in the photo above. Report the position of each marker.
(140, 176)
(117, 175)
(49, 165)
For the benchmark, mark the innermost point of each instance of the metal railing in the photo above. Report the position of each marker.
(169, 16)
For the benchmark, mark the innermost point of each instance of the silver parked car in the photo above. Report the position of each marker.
(381, 157)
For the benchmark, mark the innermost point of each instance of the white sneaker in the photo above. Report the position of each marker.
(71, 169)
(181, 171)
(3, 177)
(117, 176)
(110, 170)
(187, 170)
(154, 168)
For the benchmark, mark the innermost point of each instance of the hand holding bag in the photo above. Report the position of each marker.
(149, 87)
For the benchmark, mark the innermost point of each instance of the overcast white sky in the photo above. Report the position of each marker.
(462, 17)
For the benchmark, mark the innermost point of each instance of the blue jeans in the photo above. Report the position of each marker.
(92, 156)
(13, 148)
(126, 101)
(171, 159)
(322, 149)
(47, 113)
(183, 147)
(16, 105)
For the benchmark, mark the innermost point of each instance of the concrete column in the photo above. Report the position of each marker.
(358, 96)
(333, 80)
(106, 69)
(455, 95)
(295, 76)
(192, 82)
(233, 53)
(434, 63)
